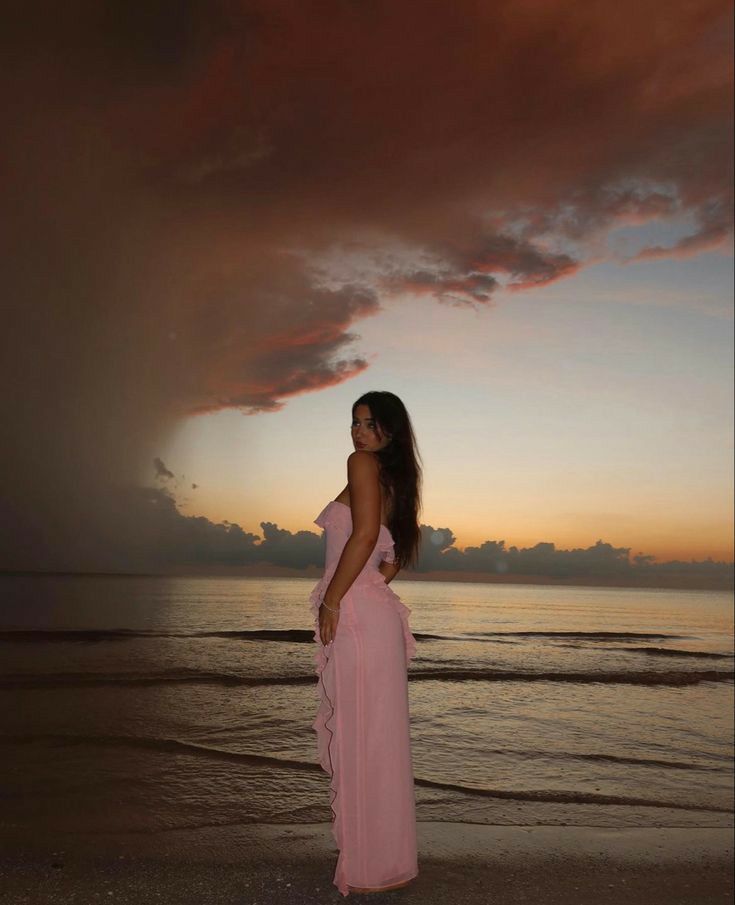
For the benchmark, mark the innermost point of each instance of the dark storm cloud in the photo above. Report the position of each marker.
(160, 536)
(180, 179)
(600, 560)
(284, 548)
(163, 538)
(168, 540)
(161, 471)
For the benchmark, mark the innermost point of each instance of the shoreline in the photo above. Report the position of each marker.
(458, 863)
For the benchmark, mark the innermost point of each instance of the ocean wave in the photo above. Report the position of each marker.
(639, 677)
(177, 746)
(167, 745)
(597, 756)
(585, 636)
(96, 636)
(287, 636)
(558, 796)
(672, 652)
(124, 679)
(92, 636)
(304, 636)
(200, 677)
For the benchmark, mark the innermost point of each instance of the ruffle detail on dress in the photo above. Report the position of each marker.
(315, 599)
(339, 515)
(386, 545)
(329, 516)
(323, 723)
(323, 726)
(375, 578)
(404, 612)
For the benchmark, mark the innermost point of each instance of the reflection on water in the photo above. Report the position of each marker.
(149, 704)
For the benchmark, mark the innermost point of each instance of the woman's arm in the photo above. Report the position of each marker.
(388, 570)
(362, 477)
(364, 486)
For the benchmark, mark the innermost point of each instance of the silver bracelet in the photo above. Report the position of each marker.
(331, 610)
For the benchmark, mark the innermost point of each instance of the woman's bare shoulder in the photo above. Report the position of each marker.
(362, 461)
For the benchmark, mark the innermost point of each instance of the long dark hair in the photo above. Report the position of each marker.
(400, 472)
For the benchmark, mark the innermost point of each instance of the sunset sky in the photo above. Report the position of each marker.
(229, 220)
(579, 411)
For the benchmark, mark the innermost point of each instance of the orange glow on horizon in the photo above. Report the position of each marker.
(658, 542)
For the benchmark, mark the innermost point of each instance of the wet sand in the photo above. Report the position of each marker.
(458, 863)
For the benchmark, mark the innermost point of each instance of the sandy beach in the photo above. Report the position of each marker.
(458, 863)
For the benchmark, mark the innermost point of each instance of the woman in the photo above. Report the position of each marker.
(362, 630)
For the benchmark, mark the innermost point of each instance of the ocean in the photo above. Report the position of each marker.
(151, 704)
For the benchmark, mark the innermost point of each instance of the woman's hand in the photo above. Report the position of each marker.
(328, 619)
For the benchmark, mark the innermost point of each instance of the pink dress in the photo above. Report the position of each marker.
(362, 723)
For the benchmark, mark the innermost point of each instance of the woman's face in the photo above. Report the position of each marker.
(365, 432)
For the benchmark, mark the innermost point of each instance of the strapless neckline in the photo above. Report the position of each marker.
(349, 509)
